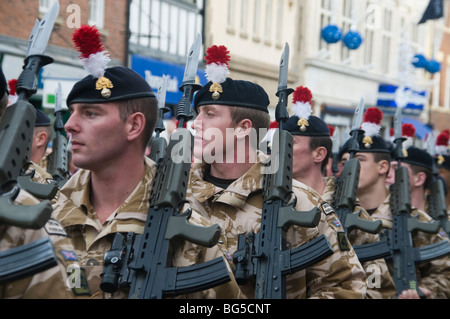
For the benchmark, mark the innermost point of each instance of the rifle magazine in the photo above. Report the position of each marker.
(367, 252)
(184, 280)
(308, 254)
(27, 260)
(431, 252)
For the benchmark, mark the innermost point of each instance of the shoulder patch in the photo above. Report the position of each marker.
(77, 280)
(327, 209)
(343, 241)
(52, 227)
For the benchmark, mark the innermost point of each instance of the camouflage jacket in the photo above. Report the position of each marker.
(58, 282)
(237, 210)
(433, 275)
(380, 284)
(92, 239)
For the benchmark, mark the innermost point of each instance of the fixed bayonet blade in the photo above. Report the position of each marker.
(161, 95)
(336, 141)
(358, 116)
(398, 123)
(430, 144)
(192, 61)
(58, 99)
(41, 31)
(284, 66)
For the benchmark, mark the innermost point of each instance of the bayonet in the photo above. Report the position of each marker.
(190, 71)
(159, 144)
(35, 59)
(188, 86)
(358, 116)
(41, 31)
(281, 113)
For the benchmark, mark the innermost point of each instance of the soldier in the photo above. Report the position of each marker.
(312, 148)
(113, 116)
(52, 283)
(226, 181)
(374, 196)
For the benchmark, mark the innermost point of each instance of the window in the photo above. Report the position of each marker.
(244, 18)
(45, 5)
(325, 19)
(268, 22)
(386, 41)
(97, 13)
(256, 19)
(165, 28)
(230, 16)
(347, 21)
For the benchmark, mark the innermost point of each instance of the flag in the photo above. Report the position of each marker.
(435, 10)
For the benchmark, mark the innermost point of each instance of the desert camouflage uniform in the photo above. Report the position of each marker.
(237, 210)
(434, 275)
(52, 283)
(380, 284)
(92, 239)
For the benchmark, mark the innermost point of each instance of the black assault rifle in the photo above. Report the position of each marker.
(397, 243)
(16, 133)
(264, 256)
(437, 206)
(142, 262)
(58, 162)
(344, 200)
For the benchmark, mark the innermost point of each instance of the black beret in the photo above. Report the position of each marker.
(443, 161)
(234, 93)
(42, 119)
(418, 157)
(126, 85)
(378, 145)
(3, 84)
(316, 127)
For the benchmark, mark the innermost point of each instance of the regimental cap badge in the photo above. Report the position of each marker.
(217, 68)
(94, 57)
(302, 97)
(371, 125)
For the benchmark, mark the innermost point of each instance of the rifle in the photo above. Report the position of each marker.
(396, 244)
(142, 262)
(264, 255)
(335, 152)
(347, 184)
(159, 144)
(437, 206)
(16, 132)
(58, 159)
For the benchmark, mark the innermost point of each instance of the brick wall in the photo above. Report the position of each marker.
(17, 19)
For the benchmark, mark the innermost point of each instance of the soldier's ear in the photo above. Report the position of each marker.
(243, 128)
(383, 167)
(135, 125)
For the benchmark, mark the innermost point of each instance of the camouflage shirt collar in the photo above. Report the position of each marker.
(236, 193)
(74, 205)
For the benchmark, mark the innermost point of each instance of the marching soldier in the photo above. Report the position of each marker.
(226, 182)
(55, 282)
(374, 196)
(312, 148)
(113, 116)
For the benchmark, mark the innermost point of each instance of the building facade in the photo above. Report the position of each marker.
(339, 74)
(153, 38)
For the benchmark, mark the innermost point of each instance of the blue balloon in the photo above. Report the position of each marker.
(352, 40)
(331, 33)
(420, 61)
(433, 66)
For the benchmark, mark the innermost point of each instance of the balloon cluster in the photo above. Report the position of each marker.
(332, 34)
(420, 61)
